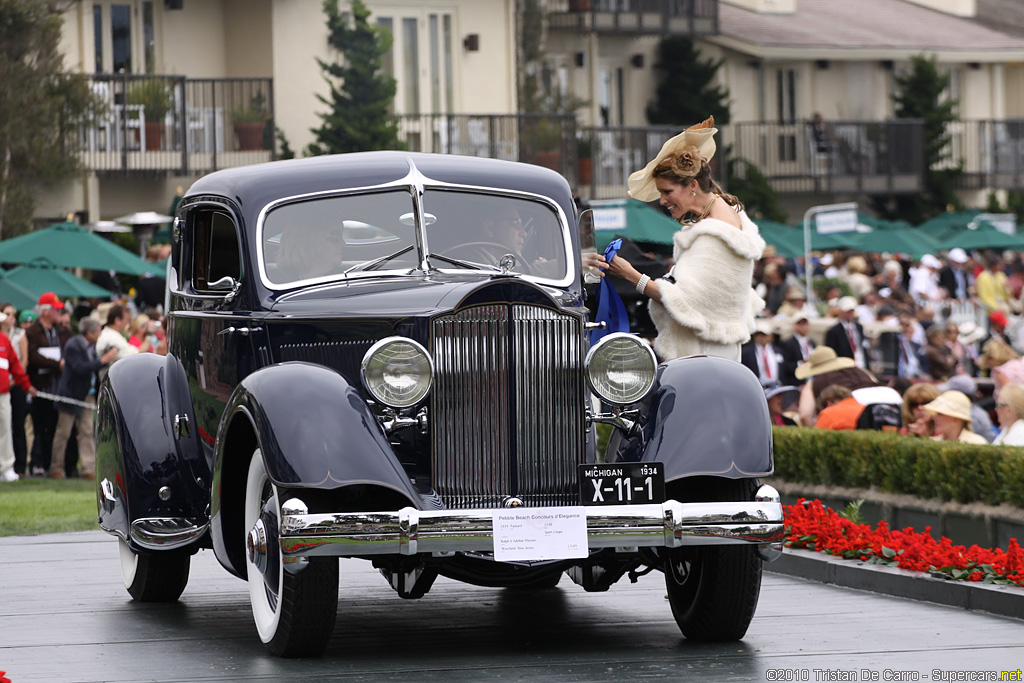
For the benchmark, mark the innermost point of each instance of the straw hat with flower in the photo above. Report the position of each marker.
(701, 137)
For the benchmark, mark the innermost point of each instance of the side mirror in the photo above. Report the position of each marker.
(588, 244)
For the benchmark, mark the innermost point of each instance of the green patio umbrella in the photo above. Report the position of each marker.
(15, 294)
(69, 245)
(42, 275)
(985, 236)
(908, 240)
(634, 219)
(787, 240)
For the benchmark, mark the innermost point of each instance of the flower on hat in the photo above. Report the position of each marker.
(700, 136)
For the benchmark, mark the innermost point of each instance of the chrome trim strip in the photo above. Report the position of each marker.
(417, 183)
(409, 531)
(166, 533)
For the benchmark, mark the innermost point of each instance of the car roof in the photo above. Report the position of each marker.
(252, 187)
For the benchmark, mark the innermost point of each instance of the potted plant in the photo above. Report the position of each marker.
(548, 139)
(250, 122)
(153, 95)
(584, 156)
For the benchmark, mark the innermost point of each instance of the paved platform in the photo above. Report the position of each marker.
(64, 616)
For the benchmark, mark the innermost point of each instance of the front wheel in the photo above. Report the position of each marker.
(153, 577)
(713, 589)
(294, 613)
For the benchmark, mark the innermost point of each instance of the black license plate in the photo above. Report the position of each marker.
(626, 483)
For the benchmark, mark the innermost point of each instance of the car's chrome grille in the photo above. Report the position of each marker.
(507, 406)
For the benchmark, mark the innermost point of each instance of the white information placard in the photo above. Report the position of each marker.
(540, 534)
(610, 219)
(831, 222)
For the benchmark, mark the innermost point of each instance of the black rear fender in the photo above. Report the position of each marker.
(137, 450)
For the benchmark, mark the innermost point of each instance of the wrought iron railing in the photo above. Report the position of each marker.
(177, 125)
(545, 140)
(989, 152)
(865, 157)
(644, 17)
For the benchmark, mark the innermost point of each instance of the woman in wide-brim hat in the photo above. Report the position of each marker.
(705, 305)
(951, 412)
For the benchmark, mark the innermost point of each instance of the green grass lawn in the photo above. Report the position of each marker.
(46, 506)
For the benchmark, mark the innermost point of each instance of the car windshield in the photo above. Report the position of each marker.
(467, 229)
(329, 238)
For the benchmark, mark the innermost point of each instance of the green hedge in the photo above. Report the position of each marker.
(895, 463)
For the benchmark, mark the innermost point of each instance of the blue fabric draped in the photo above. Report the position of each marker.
(610, 309)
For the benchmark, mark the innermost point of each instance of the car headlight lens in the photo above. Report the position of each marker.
(397, 372)
(620, 369)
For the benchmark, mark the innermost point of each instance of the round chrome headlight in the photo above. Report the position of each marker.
(397, 372)
(620, 369)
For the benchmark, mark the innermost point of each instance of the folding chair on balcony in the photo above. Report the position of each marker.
(821, 153)
(100, 136)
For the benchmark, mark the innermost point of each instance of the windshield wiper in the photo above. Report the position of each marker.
(471, 265)
(369, 265)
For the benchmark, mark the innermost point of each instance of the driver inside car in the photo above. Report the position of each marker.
(508, 229)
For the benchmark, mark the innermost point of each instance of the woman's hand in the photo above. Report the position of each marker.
(620, 267)
(592, 261)
(921, 427)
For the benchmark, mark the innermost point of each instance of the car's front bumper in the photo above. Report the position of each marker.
(409, 531)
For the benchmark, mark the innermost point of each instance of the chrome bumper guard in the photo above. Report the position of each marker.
(409, 531)
(165, 533)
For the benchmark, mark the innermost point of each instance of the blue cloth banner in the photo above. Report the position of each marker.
(610, 309)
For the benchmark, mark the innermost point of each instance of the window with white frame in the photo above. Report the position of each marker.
(123, 36)
(421, 59)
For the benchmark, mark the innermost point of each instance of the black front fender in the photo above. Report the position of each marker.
(708, 416)
(314, 431)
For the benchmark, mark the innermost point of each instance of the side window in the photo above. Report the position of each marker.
(214, 249)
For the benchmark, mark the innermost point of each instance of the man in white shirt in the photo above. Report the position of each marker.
(924, 280)
(113, 335)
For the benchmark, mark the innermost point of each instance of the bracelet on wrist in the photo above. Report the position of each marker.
(641, 284)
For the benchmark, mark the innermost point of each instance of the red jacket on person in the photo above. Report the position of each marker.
(11, 366)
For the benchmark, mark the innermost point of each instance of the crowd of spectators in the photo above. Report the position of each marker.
(53, 356)
(929, 347)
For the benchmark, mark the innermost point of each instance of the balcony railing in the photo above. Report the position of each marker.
(852, 157)
(177, 125)
(545, 140)
(635, 17)
(991, 153)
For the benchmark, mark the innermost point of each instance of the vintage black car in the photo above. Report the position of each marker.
(386, 356)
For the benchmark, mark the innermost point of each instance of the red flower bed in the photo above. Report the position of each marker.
(811, 525)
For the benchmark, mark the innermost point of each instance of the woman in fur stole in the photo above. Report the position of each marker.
(705, 305)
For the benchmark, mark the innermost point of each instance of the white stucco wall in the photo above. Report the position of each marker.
(192, 40)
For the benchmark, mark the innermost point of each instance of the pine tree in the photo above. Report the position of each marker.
(359, 118)
(919, 95)
(751, 187)
(686, 92)
(41, 108)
